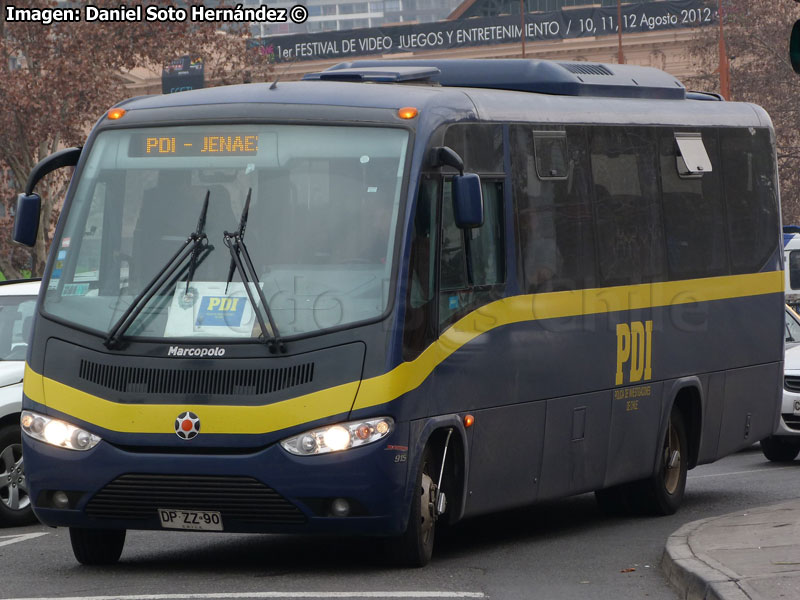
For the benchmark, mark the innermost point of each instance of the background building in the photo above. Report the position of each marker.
(335, 15)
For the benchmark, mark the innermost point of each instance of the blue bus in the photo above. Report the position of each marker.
(399, 294)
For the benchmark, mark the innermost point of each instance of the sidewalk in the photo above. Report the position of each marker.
(752, 555)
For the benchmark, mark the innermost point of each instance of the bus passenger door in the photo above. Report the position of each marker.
(505, 450)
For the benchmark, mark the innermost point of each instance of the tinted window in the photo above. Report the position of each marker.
(555, 219)
(485, 242)
(693, 213)
(453, 258)
(479, 145)
(418, 330)
(750, 194)
(467, 284)
(627, 212)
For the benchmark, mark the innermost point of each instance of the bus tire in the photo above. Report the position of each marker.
(415, 547)
(662, 493)
(97, 546)
(779, 450)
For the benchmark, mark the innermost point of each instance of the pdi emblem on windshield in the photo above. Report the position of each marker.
(187, 425)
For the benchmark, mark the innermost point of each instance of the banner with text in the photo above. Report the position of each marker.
(442, 35)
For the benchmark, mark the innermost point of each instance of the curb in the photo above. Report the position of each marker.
(694, 578)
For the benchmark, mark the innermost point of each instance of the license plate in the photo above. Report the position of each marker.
(198, 520)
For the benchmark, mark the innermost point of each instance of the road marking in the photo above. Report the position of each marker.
(258, 595)
(741, 472)
(7, 540)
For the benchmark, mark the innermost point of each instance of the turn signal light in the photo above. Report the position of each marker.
(468, 420)
(116, 113)
(407, 112)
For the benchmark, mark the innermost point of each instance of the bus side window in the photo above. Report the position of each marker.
(627, 208)
(550, 187)
(693, 213)
(750, 197)
(472, 261)
(419, 330)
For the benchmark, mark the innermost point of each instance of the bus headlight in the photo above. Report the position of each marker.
(57, 432)
(341, 436)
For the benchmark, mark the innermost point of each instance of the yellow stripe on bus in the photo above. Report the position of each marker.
(554, 305)
(159, 418)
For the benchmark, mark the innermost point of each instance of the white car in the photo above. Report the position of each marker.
(17, 306)
(784, 444)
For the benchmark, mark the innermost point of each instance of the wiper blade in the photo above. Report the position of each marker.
(196, 245)
(240, 234)
(241, 262)
(196, 249)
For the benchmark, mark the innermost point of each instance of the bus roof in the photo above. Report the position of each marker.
(623, 99)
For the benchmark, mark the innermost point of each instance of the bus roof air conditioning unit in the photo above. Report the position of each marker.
(523, 75)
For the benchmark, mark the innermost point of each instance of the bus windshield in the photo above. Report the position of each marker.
(320, 231)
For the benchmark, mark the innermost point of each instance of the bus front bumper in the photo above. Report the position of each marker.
(269, 491)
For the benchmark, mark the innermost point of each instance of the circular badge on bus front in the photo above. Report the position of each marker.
(187, 425)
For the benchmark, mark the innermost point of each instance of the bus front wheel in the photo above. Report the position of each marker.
(97, 546)
(415, 547)
(662, 493)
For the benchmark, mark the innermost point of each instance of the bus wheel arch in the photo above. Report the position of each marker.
(454, 475)
(662, 492)
(688, 400)
(415, 545)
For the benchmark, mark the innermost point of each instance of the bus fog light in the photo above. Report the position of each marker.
(57, 432)
(60, 499)
(340, 507)
(341, 436)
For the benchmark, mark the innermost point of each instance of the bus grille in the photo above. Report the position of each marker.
(227, 382)
(792, 383)
(138, 496)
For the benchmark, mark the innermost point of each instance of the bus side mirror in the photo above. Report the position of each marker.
(26, 221)
(467, 201)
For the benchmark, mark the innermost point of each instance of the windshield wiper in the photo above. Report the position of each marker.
(240, 262)
(195, 245)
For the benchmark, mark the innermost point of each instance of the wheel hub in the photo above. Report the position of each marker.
(672, 461)
(13, 488)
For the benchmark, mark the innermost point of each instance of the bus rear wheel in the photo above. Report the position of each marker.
(415, 547)
(97, 546)
(662, 493)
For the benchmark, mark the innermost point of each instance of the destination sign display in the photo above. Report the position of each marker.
(219, 143)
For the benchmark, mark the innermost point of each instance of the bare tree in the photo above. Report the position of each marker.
(757, 41)
(56, 80)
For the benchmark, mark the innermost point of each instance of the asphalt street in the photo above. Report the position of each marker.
(560, 550)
